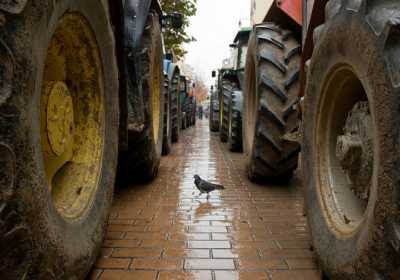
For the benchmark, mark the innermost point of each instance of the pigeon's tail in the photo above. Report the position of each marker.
(219, 187)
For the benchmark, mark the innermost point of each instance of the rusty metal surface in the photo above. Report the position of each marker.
(247, 231)
(293, 8)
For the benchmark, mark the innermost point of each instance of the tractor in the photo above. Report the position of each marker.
(230, 97)
(81, 96)
(172, 73)
(188, 103)
(322, 77)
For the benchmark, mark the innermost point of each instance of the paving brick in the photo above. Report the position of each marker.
(126, 228)
(112, 263)
(209, 264)
(112, 235)
(186, 253)
(121, 243)
(296, 275)
(261, 264)
(209, 244)
(286, 253)
(244, 253)
(136, 252)
(190, 236)
(187, 275)
(301, 263)
(157, 264)
(128, 275)
(207, 229)
(240, 275)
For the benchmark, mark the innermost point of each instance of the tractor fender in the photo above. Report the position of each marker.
(135, 17)
(170, 68)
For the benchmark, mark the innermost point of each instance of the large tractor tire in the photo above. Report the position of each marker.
(351, 133)
(145, 145)
(214, 113)
(174, 91)
(167, 134)
(235, 142)
(58, 136)
(227, 89)
(270, 96)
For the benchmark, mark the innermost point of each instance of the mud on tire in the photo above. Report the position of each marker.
(235, 121)
(270, 98)
(227, 89)
(174, 91)
(39, 237)
(167, 134)
(142, 159)
(355, 62)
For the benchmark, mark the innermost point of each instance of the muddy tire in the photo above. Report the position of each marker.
(227, 89)
(235, 142)
(214, 112)
(56, 181)
(142, 159)
(270, 98)
(351, 141)
(174, 91)
(167, 134)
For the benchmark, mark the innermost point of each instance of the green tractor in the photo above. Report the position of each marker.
(230, 95)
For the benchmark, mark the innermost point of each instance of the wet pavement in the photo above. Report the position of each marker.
(163, 231)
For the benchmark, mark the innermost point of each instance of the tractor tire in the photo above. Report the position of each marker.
(174, 91)
(235, 142)
(184, 121)
(270, 97)
(58, 136)
(142, 159)
(351, 132)
(226, 100)
(214, 114)
(167, 135)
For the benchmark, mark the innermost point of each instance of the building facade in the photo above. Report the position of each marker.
(259, 9)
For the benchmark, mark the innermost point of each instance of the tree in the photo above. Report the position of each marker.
(201, 90)
(174, 39)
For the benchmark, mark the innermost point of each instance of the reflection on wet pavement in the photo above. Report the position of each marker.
(163, 231)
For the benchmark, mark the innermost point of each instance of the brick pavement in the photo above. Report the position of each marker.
(162, 231)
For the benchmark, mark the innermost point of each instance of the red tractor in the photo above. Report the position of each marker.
(337, 63)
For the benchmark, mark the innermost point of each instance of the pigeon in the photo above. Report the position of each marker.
(206, 187)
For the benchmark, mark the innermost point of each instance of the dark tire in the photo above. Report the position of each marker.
(226, 100)
(270, 98)
(174, 91)
(41, 237)
(184, 121)
(167, 135)
(354, 72)
(143, 157)
(235, 142)
(214, 112)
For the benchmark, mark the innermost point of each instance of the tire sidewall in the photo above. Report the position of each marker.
(66, 247)
(158, 55)
(348, 39)
(251, 65)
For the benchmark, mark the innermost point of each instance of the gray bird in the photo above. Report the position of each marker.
(206, 187)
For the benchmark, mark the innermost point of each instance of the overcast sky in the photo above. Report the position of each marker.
(214, 27)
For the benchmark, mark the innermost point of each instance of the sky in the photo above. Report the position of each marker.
(214, 27)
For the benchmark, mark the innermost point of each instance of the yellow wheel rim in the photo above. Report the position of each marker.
(72, 121)
(156, 92)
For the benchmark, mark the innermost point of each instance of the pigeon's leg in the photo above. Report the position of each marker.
(208, 196)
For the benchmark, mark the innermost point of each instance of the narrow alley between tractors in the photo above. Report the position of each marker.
(162, 230)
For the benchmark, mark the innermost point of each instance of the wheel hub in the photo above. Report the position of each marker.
(354, 149)
(60, 117)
